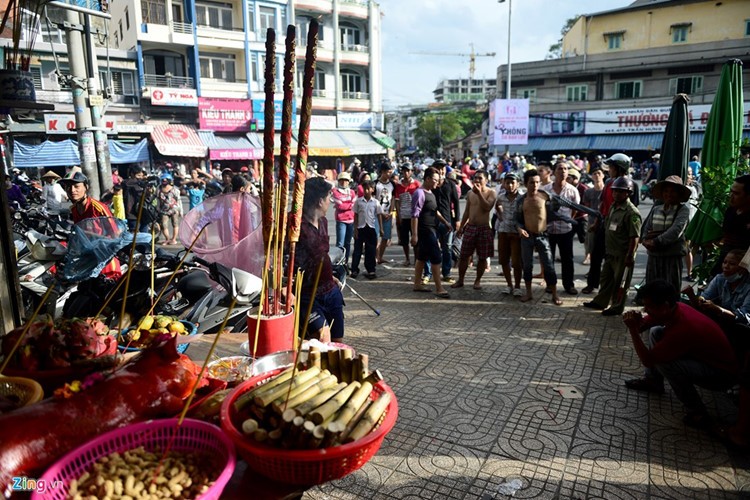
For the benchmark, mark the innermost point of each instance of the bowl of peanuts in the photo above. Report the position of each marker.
(153, 459)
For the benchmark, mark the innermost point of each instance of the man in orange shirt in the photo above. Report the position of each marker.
(76, 186)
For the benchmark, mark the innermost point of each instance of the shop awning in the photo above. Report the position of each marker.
(178, 140)
(229, 147)
(121, 152)
(46, 154)
(382, 139)
(360, 142)
(327, 143)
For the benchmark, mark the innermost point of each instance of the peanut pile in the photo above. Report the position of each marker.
(136, 474)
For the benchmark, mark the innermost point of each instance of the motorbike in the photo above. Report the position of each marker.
(206, 291)
(647, 190)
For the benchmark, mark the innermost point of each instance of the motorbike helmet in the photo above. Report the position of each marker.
(620, 160)
(623, 183)
(74, 177)
(167, 177)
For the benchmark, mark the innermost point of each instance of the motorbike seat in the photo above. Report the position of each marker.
(194, 285)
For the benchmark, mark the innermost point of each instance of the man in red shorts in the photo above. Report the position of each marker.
(476, 230)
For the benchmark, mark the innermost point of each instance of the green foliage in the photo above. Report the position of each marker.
(432, 128)
(555, 50)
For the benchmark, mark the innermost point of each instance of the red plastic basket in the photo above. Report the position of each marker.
(193, 436)
(305, 467)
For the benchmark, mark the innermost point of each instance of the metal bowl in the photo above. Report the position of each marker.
(281, 359)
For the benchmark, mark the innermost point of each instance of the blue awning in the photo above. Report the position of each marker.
(609, 142)
(556, 143)
(120, 152)
(46, 154)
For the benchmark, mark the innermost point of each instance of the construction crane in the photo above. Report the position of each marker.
(472, 58)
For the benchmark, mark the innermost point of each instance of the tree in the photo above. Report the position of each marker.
(555, 50)
(435, 129)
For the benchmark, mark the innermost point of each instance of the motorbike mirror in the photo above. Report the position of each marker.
(245, 286)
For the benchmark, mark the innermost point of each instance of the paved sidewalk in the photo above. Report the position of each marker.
(476, 379)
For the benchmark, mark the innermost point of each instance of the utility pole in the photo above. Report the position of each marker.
(96, 103)
(79, 84)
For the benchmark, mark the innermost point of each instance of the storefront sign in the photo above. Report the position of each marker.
(162, 96)
(355, 121)
(259, 106)
(224, 115)
(620, 121)
(236, 154)
(55, 123)
(322, 122)
(511, 123)
(134, 128)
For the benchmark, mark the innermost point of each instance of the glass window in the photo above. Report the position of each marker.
(687, 85)
(747, 27)
(161, 64)
(218, 67)
(679, 34)
(627, 90)
(267, 18)
(353, 85)
(251, 18)
(214, 15)
(259, 70)
(529, 94)
(614, 41)
(154, 11)
(177, 13)
(127, 18)
(351, 36)
(577, 92)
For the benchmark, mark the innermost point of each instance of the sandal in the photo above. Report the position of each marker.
(645, 384)
(442, 295)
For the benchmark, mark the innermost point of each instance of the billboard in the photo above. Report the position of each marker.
(224, 115)
(511, 121)
(259, 105)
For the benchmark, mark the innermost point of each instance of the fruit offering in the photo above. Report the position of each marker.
(151, 328)
(57, 344)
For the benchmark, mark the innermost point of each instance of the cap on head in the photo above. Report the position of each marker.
(623, 184)
(344, 176)
(244, 168)
(573, 172)
(656, 156)
(357, 161)
(439, 163)
(74, 177)
(620, 160)
(406, 166)
(167, 177)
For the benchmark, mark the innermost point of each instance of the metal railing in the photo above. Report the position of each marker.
(182, 28)
(221, 28)
(355, 95)
(364, 3)
(174, 82)
(355, 48)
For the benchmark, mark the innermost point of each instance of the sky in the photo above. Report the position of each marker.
(450, 26)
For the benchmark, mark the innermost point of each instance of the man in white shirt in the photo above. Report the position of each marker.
(368, 214)
(55, 199)
(560, 232)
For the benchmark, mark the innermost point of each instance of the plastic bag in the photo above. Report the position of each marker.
(93, 243)
(233, 235)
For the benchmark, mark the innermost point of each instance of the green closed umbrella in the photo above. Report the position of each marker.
(675, 146)
(721, 147)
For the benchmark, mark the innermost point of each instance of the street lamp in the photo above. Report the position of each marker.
(507, 85)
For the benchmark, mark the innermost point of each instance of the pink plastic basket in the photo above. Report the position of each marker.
(193, 436)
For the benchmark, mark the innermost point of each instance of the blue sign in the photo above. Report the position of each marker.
(259, 106)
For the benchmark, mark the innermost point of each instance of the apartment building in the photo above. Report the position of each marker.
(465, 89)
(620, 70)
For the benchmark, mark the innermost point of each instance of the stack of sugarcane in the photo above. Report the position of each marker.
(330, 402)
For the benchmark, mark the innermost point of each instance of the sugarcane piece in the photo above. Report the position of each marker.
(290, 437)
(267, 397)
(333, 431)
(286, 419)
(356, 370)
(307, 430)
(374, 377)
(324, 361)
(370, 418)
(319, 414)
(249, 426)
(354, 403)
(345, 364)
(313, 357)
(364, 367)
(258, 413)
(318, 400)
(333, 363)
(317, 437)
(281, 403)
(355, 420)
(274, 437)
(249, 397)
(260, 435)
(311, 392)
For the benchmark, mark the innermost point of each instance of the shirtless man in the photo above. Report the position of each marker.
(532, 210)
(476, 230)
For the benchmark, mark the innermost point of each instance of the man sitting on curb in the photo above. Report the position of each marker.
(685, 346)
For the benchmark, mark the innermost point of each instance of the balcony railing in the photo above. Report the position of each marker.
(355, 95)
(355, 48)
(356, 2)
(222, 28)
(315, 93)
(174, 82)
(182, 28)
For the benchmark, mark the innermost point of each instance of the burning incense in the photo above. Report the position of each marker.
(268, 130)
(295, 221)
(286, 146)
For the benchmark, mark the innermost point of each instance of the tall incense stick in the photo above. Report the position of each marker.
(295, 221)
(286, 153)
(268, 131)
(130, 259)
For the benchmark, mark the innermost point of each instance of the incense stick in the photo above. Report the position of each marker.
(268, 133)
(130, 259)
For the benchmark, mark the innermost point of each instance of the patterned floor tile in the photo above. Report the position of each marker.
(536, 478)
